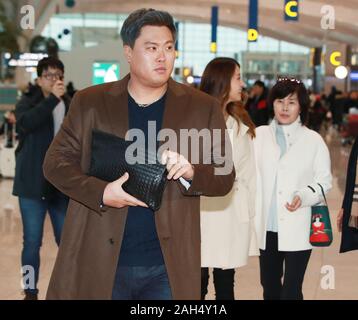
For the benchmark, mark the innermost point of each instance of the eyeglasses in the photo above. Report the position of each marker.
(53, 76)
(289, 79)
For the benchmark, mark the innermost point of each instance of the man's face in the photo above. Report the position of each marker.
(152, 58)
(354, 95)
(258, 90)
(48, 79)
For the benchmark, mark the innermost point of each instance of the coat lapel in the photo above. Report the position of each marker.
(174, 114)
(67, 102)
(175, 104)
(116, 105)
(275, 145)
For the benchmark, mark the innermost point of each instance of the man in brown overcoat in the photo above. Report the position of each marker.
(113, 246)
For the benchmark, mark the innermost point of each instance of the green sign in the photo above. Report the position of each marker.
(8, 95)
(105, 72)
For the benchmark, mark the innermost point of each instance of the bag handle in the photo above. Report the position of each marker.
(324, 196)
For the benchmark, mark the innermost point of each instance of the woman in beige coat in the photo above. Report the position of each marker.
(227, 225)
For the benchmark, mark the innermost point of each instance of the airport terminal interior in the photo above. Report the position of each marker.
(313, 41)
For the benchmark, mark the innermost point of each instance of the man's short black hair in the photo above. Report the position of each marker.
(286, 87)
(145, 17)
(259, 83)
(49, 62)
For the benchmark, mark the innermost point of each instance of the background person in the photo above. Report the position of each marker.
(227, 225)
(347, 219)
(140, 254)
(39, 116)
(257, 104)
(292, 161)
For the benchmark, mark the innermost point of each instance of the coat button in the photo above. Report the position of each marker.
(111, 241)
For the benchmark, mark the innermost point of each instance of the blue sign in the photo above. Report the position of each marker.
(214, 28)
(354, 75)
(253, 32)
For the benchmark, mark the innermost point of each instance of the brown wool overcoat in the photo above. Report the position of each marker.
(87, 259)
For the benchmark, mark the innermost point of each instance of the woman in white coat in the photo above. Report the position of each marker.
(292, 161)
(227, 224)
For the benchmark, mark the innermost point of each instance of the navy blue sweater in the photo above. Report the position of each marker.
(140, 244)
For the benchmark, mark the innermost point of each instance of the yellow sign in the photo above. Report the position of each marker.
(252, 34)
(186, 72)
(288, 9)
(333, 58)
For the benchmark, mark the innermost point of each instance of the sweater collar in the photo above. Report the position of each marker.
(291, 131)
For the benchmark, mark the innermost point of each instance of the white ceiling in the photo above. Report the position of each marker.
(307, 31)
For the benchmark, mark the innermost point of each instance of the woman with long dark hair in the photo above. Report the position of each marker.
(227, 222)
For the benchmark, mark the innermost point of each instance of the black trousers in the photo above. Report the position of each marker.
(223, 283)
(274, 264)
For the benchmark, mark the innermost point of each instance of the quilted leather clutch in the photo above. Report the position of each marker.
(146, 181)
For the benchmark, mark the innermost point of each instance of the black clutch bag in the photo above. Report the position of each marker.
(146, 181)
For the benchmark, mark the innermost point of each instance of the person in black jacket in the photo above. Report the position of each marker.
(257, 104)
(7, 128)
(39, 115)
(347, 219)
